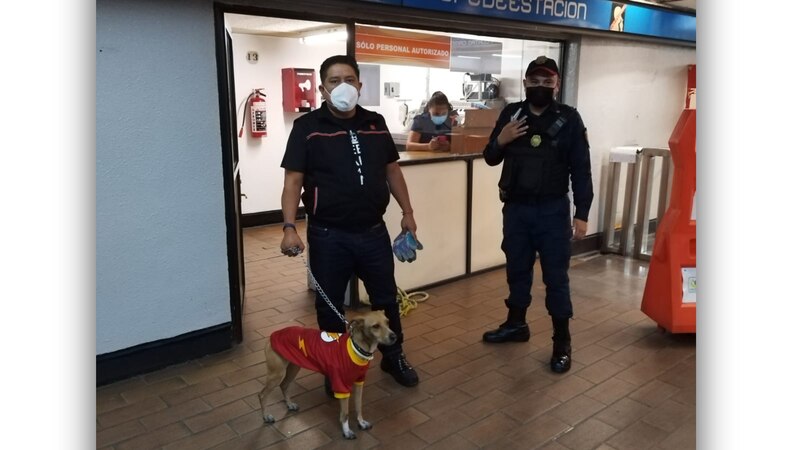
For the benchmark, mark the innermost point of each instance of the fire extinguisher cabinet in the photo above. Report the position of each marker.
(670, 290)
(299, 89)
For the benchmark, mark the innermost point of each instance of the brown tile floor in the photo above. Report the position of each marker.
(630, 387)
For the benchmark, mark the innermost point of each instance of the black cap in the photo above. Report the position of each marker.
(542, 63)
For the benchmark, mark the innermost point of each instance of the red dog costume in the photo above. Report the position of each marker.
(332, 354)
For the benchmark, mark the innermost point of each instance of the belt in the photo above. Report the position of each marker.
(348, 229)
(534, 199)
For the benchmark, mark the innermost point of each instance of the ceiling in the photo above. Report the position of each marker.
(275, 26)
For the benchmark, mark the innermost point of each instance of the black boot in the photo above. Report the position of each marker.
(561, 361)
(514, 329)
(398, 367)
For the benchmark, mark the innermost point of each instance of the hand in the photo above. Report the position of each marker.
(579, 229)
(405, 247)
(511, 131)
(439, 144)
(291, 245)
(407, 223)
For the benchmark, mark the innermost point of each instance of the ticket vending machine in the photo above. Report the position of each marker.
(670, 290)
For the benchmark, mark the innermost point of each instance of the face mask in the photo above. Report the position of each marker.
(344, 97)
(539, 96)
(438, 120)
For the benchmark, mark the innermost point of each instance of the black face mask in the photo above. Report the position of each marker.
(539, 96)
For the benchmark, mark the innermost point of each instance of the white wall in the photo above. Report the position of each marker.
(629, 93)
(260, 158)
(161, 246)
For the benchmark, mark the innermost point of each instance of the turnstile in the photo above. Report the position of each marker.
(633, 236)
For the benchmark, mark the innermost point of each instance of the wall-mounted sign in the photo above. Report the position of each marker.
(592, 14)
(380, 45)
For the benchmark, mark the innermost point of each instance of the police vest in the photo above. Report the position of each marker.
(536, 165)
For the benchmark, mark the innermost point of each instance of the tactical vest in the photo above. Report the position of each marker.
(536, 166)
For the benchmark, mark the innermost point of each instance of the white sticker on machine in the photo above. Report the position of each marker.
(689, 275)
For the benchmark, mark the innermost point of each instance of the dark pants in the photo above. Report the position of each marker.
(335, 255)
(544, 227)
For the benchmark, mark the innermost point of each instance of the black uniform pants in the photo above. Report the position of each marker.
(543, 227)
(335, 255)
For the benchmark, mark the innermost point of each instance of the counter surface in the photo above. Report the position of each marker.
(409, 158)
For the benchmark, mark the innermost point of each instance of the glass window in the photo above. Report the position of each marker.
(405, 67)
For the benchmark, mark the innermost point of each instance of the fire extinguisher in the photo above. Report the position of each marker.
(257, 105)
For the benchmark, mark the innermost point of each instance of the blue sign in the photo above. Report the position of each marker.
(592, 14)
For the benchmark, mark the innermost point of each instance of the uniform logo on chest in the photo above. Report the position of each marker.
(329, 337)
(536, 140)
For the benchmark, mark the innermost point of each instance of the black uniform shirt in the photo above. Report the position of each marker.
(571, 137)
(344, 166)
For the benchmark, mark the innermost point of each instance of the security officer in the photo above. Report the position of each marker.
(542, 145)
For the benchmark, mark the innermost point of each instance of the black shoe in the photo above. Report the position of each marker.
(561, 361)
(329, 388)
(399, 368)
(508, 333)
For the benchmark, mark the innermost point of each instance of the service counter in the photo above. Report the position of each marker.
(458, 214)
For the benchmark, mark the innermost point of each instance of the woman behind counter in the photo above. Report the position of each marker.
(430, 131)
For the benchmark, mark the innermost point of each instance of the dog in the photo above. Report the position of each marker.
(342, 358)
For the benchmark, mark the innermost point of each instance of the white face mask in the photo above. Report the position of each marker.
(344, 97)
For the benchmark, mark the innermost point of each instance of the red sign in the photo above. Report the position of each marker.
(380, 45)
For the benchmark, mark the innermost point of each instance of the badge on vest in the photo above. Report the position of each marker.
(536, 140)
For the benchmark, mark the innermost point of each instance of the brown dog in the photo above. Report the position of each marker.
(342, 358)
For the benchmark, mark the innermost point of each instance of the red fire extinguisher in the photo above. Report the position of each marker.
(257, 104)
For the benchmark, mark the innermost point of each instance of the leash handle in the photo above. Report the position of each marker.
(322, 293)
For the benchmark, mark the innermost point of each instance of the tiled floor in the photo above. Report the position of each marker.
(630, 387)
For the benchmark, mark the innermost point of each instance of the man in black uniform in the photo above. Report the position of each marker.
(542, 145)
(344, 159)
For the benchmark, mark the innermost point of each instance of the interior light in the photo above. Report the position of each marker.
(507, 56)
(469, 57)
(324, 37)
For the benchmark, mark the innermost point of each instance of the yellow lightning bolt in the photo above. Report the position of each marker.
(301, 344)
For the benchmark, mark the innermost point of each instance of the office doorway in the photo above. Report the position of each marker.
(268, 68)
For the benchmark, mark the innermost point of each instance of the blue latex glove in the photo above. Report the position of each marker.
(405, 247)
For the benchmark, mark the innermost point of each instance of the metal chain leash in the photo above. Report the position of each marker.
(322, 293)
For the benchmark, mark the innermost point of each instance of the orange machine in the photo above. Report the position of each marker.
(669, 294)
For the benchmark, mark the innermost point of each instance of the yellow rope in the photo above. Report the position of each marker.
(405, 301)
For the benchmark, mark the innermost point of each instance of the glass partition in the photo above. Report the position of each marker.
(402, 68)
